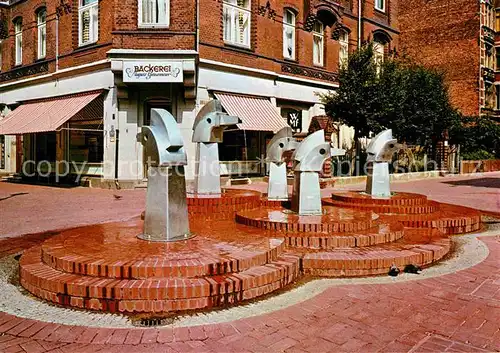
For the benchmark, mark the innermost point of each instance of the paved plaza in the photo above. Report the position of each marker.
(453, 306)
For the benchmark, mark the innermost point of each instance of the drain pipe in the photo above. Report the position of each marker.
(57, 42)
(197, 26)
(359, 23)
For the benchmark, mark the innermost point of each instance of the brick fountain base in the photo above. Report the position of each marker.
(241, 251)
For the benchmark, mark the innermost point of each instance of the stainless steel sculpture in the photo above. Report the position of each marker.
(380, 151)
(208, 128)
(166, 216)
(309, 158)
(277, 188)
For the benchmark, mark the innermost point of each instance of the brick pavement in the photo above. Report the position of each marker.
(455, 312)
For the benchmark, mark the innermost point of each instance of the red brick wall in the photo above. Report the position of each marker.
(445, 35)
(119, 29)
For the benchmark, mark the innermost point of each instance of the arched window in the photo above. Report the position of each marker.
(41, 19)
(343, 48)
(237, 22)
(88, 20)
(289, 35)
(18, 33)
(318, 43)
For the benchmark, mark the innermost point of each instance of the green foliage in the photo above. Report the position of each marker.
(356, 103)
(408, 98)
(478, 137)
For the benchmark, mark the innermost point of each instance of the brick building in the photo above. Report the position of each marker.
(457, 37)
(78, 77)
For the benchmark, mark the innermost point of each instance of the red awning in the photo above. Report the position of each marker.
(257, 114)
(45, 114)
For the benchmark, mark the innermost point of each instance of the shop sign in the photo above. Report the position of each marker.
(147, 71)
(294, 119)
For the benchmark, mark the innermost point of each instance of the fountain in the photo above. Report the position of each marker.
(380, 151)
(166, 216)
(309, 158)
(208, 129)
(241, 248)
(283, 141)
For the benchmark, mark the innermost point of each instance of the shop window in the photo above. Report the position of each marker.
(154, 13)
(236, 15)
(18, 33)
(42, 33)
(289, 35)
(318, 43)
(343, 48)
(46, 144)
(88, 28)
(380, 5)
(86, 141)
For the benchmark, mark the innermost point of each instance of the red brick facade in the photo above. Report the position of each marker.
(446, 35)
(118, 29)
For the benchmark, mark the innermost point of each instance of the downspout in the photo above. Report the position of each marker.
(359, 24)
(57, 42)
(197, 26)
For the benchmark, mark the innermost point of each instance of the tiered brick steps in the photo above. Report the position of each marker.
(107, 268)
(230, 201)
(419, 247)
(412, 210)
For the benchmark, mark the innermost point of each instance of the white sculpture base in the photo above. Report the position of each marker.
(306, 196)
(277, 188)
(166, 216)
(207, 169)
(378, 182)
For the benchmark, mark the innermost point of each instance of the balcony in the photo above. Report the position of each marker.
(489, 35)
(488, 74)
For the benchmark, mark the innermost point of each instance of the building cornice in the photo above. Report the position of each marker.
(265, 74)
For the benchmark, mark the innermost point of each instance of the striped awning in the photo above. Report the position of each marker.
(256, 113)
(45, 114)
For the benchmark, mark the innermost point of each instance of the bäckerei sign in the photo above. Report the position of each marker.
(147, 71)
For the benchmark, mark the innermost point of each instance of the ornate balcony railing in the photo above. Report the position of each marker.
(308, 72)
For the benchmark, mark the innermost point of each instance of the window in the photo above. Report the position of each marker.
(154, 13)
(489, 20)
(489, 59)
(378, 54)
(88, 15)
(380, 5)
(42, 33)
(344, 48)
(18, 33)
(318, 35)
(289, 35)
(1, 54)
(237, 22)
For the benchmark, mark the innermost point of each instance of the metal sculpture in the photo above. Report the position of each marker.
(277, 188)
(309, 158)
(380, 151)
(166, 216)
(208, 129)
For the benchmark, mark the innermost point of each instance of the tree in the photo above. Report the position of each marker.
(478, 137)
(355, 103)
(410, 99)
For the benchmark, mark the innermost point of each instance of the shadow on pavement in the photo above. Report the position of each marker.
(481, 182)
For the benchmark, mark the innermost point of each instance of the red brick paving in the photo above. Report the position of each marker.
(455, 312)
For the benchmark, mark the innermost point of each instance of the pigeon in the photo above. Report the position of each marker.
(412, 269)
(393, 271)
(117, 197)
